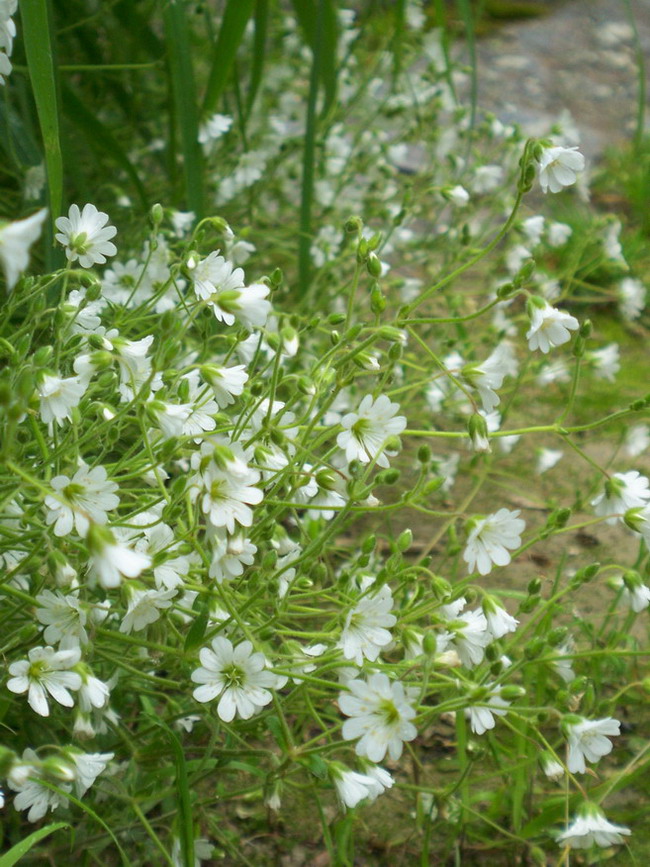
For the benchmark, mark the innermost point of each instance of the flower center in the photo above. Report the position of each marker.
(79, 243)
(360, 427)
(389, 712)
(72, 491)
(234, 676)
(37, 669)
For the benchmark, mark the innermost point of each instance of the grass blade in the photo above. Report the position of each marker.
(317, 19)
(186, 825)
(185, 100)
(259, 51)
(231, 33)
(16, 852)
(37, 38)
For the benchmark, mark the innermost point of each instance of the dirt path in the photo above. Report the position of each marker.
(580, 57)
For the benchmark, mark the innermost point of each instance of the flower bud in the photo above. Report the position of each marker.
(156, 215)
(373, 266)
(405, 540)
(353, 225)
(478, 433)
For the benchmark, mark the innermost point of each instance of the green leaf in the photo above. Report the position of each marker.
(185, 823)
(231, 33)
(196, 631)
(37, 37)
(316, 765)
(185, 100)
(16, 852)
(100, 138)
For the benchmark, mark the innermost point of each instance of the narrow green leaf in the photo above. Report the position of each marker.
(186, 825)
(309, 151)
(185, 100)
(100, 138)
(231, 33)
(259, 51)
(196, 631)
(89, 812)
(16, 852)
(317, 19)
(37, 37)
(16, 140)
(465, 11)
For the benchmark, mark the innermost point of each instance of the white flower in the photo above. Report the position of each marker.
(85, 235)
(558, 234)
(605, 361)
(634, 592)
(111, 560)
(160, 544)
(365, 431)
(84, 314)
(481, 717)
(31, 794)
(15, 240)
(612, 242)
(182, 222)
(213, 128)
(637, 440)
(353, 787)
(631, 298)
(470, 635)
(546, 459)
(382, 780)
(489, 375)
(203, 849)
(170, 417)
(587, 740)
(563, 663)
(590, 828)
(533, 229)
(622, 492)
(88, 766)
(63, 617)
(554, 371)
(77, 501)
(227, 382)
(123, 283)
(558, 167)
(46, 671)
(548, 326)
(487, 178)
(239, 251)
(490, 538)
(59, 397)
(223, 289)
(380, 716)
(237, 675)
(145, 607)
(551, 767)
(93, 693)
(365, 632)
(229, 493)
(230, 554)
(498, 620)
(135, 367)
(458, 195)
(5, 67)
